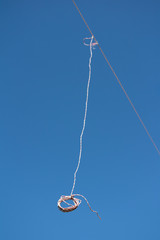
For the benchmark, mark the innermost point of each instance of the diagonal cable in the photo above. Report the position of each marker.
(119, 82)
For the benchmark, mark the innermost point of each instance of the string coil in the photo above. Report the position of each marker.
(76, 202)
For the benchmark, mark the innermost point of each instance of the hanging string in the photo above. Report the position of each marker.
(85, 115)
(119, 82)
(76, 201)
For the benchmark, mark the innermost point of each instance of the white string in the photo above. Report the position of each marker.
(85, 115)
(88, 204)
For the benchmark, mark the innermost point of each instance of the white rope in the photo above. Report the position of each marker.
(85, 115)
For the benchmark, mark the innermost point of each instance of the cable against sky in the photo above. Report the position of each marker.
(119, 82)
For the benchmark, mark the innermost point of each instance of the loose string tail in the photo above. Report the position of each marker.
(85, 115)
(88, 204)
(119, 82)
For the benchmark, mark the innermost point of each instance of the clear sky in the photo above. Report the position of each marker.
(43, 78)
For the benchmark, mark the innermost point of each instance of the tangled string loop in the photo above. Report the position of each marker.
(76, 202)
(71, 207)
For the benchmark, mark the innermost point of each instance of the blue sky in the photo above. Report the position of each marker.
(43, 78)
